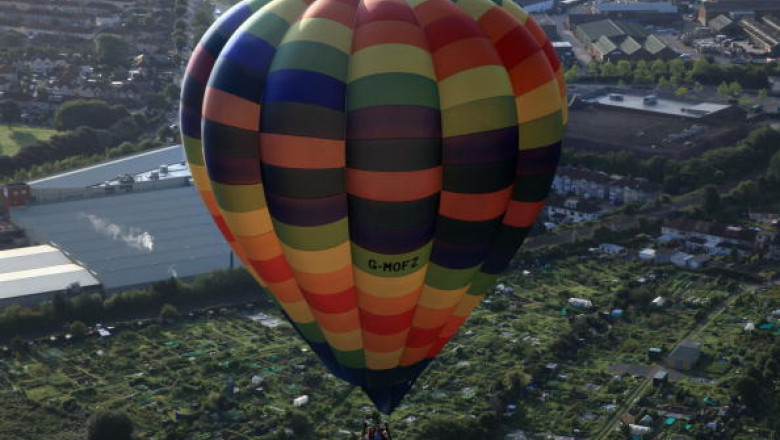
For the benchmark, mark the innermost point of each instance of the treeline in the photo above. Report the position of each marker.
(674, 73)
(92, 308)
(747, 157)
(81, 142)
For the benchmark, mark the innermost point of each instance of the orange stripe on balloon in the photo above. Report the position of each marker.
(339, 302)
(385, 324)
(412, 355)
(522, 214)
(388, 306)
(333, 10)
(384, 343)
(337, 322)
(289, 151)
(389, 31)
(426, 318)
(286, 291)
(229, 109)
(464, 55)
(496, 23)
(260, 247)
(394, 186)
(324, 283)
(474, 207)
(430, 11)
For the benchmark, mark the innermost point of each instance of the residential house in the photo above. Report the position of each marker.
(647, 254)
(681, 259)
(612, 249)
(572, 210)
(664, 255)
(713, 238)
(598, 185)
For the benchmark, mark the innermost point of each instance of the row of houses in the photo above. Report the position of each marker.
(717, 239)
(599, 185)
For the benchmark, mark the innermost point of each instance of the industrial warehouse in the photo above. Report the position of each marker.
(131, 221)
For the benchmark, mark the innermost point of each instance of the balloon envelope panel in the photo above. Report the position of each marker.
(375, 163)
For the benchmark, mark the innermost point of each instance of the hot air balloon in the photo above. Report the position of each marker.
(375, 164)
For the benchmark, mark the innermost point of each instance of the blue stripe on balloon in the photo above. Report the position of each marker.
(306, 87)
(250, 51)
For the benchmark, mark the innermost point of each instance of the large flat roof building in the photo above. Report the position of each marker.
(132, 237)
(33, 274)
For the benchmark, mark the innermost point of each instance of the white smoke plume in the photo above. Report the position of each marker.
(132, 237)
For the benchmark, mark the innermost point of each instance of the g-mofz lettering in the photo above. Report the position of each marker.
(394, 266)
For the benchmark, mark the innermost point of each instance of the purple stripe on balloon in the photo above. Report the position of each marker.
(457, 257)
(488, 146)
(394, 122)
(385, 241)
(232, 170)
(539, 160)
(190, 122)
(307, 212)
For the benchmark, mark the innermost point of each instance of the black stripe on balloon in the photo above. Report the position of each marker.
(532, 188)
(394, 122)
(307, 212)
(304, 183)
(487, 146)
(478, 178)
(226, 140)
(457, 256)
(539, 160)
(298, 119)
(393, 154)
(392, 227)
(462, 233)
(507, 242)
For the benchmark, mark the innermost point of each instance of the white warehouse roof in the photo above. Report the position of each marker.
(39, 270)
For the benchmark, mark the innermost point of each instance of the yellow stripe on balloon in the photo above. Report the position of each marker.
(474, 84)
(321, 30)
(323, 261)
(389, 287)
(387, 58)
(248, 223)
(434, 298)
(539, 102)
(348, 341)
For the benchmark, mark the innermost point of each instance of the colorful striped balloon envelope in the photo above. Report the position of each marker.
(375, 164)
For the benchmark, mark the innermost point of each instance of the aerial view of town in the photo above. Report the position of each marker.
(389, 219)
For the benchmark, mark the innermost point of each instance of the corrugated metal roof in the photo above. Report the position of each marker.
(133, 238)
(637, 7)
(35, 257)
(110, 170)
(44, 280)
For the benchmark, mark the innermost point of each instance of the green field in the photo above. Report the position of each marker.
(14, 138)
(169, 377)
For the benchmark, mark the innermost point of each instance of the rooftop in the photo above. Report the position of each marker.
(661, 105)
(656, 7)
(39, 269)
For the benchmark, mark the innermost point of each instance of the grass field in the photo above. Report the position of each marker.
(14, 138)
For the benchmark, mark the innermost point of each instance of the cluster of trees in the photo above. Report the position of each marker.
(101, 128)
(677, 177)
(675, 73)
(55, 314)
(756, 193)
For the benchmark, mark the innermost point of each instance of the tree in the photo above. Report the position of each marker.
(78, 329)
(735, 89)
(111, 50)
(624, 68)
(447, 428)
(91, 113)
(763, 94)
(10, 111)
(681, 92)
(712, 203)
(573, 74)
(169, 313)
(773, 172)
(109, 425)
(723, 89)
(749, 389)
